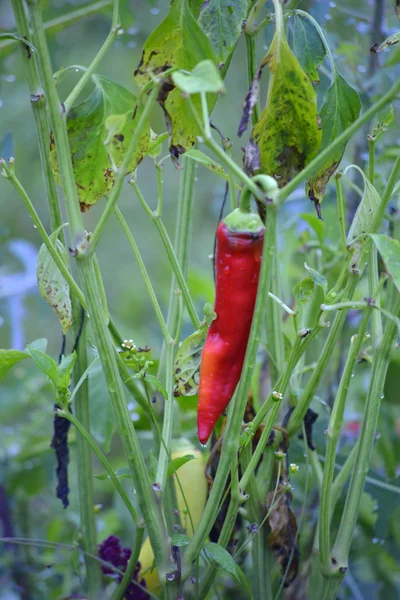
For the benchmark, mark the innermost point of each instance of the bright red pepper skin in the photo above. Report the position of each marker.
(237, 266)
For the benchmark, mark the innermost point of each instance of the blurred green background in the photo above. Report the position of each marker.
(27, 478)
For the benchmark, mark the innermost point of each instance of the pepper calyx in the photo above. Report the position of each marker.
(240, 221)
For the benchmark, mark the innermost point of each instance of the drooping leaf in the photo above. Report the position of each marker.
(9, 358)
(225, 561)
(177, 42)
(366, 210)
(156, 383)
(308, 47)
(205, 77)
(304, 290)
(17, 38)
(317, 224)
(282, 538)
(389, 249)
(178, 462)
(317, 277)
(382, 126)
(222, 22)
(187, 363)
(287, 133)
(390, 41)
(340, 108)
(52, 285)
(207, 162)
(99, 130)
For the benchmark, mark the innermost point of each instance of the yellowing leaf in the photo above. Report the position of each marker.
(177, 42)
(287, 133)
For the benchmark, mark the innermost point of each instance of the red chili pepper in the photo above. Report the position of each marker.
(238, 259)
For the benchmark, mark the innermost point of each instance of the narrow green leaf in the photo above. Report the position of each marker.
(180, 540)
(177, 463)
(9, 358)
(123, 473)
(205, 77)
(390, 41)
(225, 561)
(17, 38)
(45, 363)
(382, 126)
(207, 162)
(52, 285)
(156, 384)
(222, 22)
(304, 290)
(177, 42)
(99, 130)
(287, 133)
(187, 363)
(389, 249)
(340, 108)
(317, 277)
(366, 210)
(64, 370)
(308, 47)
(317, 224)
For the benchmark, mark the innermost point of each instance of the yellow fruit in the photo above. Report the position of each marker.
(194, 484)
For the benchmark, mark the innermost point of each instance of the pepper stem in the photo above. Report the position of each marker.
(266, 183)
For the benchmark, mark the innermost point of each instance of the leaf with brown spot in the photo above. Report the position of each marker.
(187, 363)
(287, 133)
(177, 42)
(282, 539)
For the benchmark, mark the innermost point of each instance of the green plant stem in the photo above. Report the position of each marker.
(320, 159)
(238, 403)
(373, 282)
(332, 438)
(173, 258)
(85, 472)
(123, 169)
(109, 470)
(341, 211)
(231, 180)
(251, 70)
(61, 23)
(371, 164)
(38, 105)
(380, 365)
(387, 194)
(165, 447)
(130, 569)
(115, 25)
(43, 234)
(252, 25)
(273, 317)
(301, 407)
(145, 275)
(145, 494)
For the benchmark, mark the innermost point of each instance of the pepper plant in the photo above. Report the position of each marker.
(286, 494)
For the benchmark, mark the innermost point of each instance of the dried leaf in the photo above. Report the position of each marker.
(282, 539)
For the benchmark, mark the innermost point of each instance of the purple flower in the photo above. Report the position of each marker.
(111, 551)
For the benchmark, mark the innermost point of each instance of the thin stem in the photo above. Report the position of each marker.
(205, 114)
(387, 194)
(109, 470)
(69, 102)
(231, 180)
(341, 212)
(172, 258)
(123, 169)
(332, 437)
(10, 175)
(145, 275)
(372, 406)
(251, 70)
(145, 494)
(119, 593)
(373, 283)
(165, 448)
(85, 471)
(325, 154)
(38, 105)
(371, 164)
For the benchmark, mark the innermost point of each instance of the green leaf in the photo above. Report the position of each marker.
(9, 358)
(53, 287)
(156, 384)
(99, 130)
(205, 77)
(317, 277)
(340, 108)
(390, 41)
(45, 363)
(17, 38)
(207, 162)
(156, 142)
(225, 561)
(389, 249)
(304, 290)
(178, 462)
(123, 473)
(382, 127)
(64, 370)
(287, 133)
(308, 47)
(317, 224)
(102, 419)
(187, 363)
(366, 210)
(180, 539)
(177, 42)
(222, 22)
